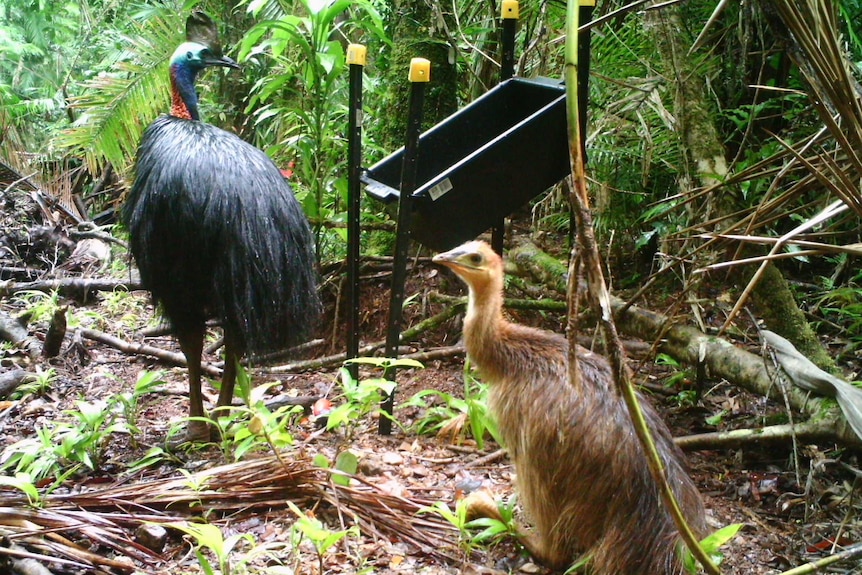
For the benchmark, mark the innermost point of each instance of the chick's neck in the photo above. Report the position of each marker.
(484, 318)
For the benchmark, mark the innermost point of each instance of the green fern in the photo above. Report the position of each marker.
(115, 108)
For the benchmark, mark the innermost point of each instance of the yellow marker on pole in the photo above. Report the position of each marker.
(420, 70)
(510, 10)
(356, 54)
(356, 59)
(420, 74)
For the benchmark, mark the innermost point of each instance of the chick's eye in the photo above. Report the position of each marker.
(475, 259)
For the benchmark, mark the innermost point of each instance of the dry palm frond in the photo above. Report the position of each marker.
(261, 485)
(816, 47)
(46, 534)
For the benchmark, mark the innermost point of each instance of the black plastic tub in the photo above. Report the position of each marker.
(482, 163)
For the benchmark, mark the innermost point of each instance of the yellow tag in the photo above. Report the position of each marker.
(420, 70)
(356, 54)
(510, 10)
(587, 3)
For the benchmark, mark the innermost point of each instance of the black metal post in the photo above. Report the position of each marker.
(420, 69)
(356, 54)
(509, 13)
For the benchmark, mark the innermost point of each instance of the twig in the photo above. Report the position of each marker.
(851, 552)
(586, 256)
(486, 459)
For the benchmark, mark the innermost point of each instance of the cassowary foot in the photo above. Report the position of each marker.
(481, 504)
(197, 433)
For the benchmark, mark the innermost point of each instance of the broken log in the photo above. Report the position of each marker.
(76, 288)
(16, 333)
(10, 380)
(56, 333)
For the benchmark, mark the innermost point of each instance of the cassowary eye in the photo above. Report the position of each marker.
(475, 259)
(189, 55)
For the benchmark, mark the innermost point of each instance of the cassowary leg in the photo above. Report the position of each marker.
(228, 377)
(481, 504)
(192, 343)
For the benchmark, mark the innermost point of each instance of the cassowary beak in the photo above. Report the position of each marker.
(223, 61)
(464, 257)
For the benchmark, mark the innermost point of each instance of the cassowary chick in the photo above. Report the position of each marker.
(582, 475)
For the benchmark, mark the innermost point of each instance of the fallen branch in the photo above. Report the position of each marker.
(143, 349)
(368, 350)
(10, 380)
(76, 288)
(811, 430)
(406, 336)
(13, 331)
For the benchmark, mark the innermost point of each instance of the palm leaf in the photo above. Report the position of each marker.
(816, 47)
(116, 108)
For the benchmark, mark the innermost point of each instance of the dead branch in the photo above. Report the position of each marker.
(406, 336)
(10, 380)
(143, 349)
(812, 430)
(13, 331)
(76, 288)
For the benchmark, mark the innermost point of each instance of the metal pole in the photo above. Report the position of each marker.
(420, 73)
(356, 54)
(509, 12)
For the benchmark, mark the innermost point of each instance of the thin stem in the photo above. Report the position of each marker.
(586, 257)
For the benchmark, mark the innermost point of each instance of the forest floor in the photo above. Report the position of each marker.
(794, 504)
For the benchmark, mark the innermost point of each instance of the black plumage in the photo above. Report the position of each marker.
(217, 233)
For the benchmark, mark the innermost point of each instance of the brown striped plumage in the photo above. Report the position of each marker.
(582, 476)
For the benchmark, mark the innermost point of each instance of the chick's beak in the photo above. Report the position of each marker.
(454, 258)
(446, 258)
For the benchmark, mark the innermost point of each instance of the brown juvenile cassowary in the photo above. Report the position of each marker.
(217, 232)
(582, 475)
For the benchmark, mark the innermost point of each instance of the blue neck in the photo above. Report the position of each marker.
(183, 85)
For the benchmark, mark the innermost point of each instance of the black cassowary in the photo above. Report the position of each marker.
(217, 232)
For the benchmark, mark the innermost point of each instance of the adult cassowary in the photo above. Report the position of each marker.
(216, 231)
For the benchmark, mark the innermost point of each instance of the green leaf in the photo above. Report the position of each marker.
(718, 539)
(23, 482)
(346, 462)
